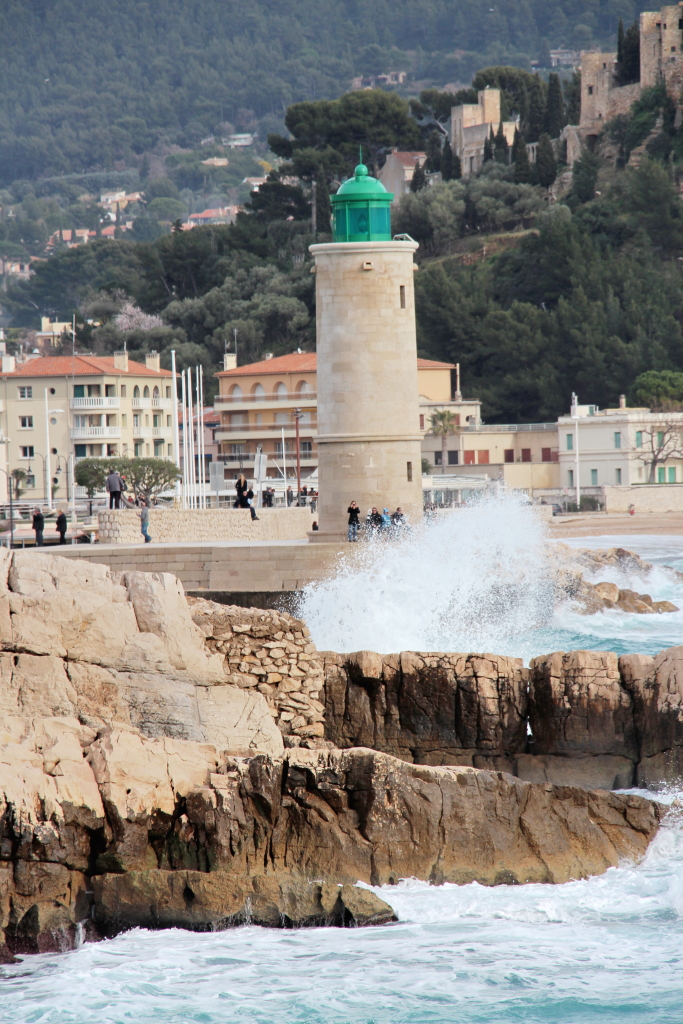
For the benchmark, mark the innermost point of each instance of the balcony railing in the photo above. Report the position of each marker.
(305, 429)
(151, 431)
(93, 402)
(294, 398)
(151, 403)
(506, 428)
(81, 433)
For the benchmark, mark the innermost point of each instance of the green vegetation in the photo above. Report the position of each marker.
(145, 477)
(659, 390)
(93, 85)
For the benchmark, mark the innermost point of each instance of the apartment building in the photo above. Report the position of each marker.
(522, 456)
(615, 446)
(257, 403)
(95, 406)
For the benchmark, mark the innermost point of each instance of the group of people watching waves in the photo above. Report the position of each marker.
(376, 524)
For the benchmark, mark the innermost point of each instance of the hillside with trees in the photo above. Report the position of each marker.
(93, 85)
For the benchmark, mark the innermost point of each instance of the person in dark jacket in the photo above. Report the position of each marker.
(114, 486)
(38, 526)
(374, 521)
(250, 504)
(62, 527)
(354, 514)
(241, 488)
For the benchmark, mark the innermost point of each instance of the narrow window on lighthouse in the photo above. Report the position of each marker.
(402, 290)
(409, 473)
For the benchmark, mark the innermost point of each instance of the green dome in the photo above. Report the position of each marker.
(361, 209)
(362, 184)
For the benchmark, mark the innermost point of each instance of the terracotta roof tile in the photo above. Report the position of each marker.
(65, 366)
(305, 362)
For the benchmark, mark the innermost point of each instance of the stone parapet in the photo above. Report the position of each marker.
(645, 498)
(175, 525)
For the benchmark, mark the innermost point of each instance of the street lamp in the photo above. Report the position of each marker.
(297, 416)
(5, 440)
(37, 455)
(48, 480)
(575, 414)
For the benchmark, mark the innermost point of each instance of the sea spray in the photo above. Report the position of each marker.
(473, 579)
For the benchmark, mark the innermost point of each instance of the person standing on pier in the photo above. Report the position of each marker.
(354, 513)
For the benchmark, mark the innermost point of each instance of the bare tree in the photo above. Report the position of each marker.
(656, 446)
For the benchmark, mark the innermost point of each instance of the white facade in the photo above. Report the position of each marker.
(615, 447)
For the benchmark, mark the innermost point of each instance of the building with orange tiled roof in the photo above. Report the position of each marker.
(257, 403)
(97, 406)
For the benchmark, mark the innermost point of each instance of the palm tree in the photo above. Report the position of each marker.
(443, 423)
(18, 475)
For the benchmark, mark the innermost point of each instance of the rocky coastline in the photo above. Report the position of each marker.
(166, 762)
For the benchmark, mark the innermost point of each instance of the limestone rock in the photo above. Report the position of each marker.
(427, 708)
(203, 901)
(656, 688)
(601, 771)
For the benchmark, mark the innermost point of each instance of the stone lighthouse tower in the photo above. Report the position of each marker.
(368, 417)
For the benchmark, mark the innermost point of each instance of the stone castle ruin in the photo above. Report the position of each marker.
(661, 61)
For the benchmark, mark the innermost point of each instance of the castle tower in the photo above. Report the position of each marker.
(368, 417)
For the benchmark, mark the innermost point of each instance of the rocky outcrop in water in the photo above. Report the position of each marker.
(570, 565)
(581, 718)
(115, 829)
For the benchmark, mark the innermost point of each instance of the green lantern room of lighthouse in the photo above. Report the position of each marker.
(361, 209)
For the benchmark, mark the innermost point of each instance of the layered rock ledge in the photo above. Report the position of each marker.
(115, 829)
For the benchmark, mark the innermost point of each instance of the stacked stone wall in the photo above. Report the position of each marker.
(645, 498)
(271, 653)
(174, 525)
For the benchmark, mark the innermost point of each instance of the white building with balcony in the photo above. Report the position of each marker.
(82, 406)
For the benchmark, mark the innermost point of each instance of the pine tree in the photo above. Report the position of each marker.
(419, 179)
(522, 165)
(585, 177)
(546, 164)
(537, 106)
(620, 42)
(457, 168)
(434, 156)
(554, 110)
(447, 161)
(500, 147)
(323, 206)
(489, 146)
(627, 68)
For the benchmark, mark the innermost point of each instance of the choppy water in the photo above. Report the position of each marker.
(607, 950)
(479, 580)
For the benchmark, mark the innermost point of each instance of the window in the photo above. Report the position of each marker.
(111, 419)
(79, 390)
(437, 459)
(483, 458)
(570, 478)
(94, 390)
(169, 450)
(526, 454)
(30, 480)
(546, 455)
(617, 474)
(509, 455)
(594, 477)
(409, 472)
(617, 439)
(306, 449)
(660, 438)
(282, 417)
(639, 439)
(570, 442)
(660, 475)
(422, 421)
(168, 392)
(156, 420)
(402, 294)
(303, 387)
(110, 390)
(136, 420)
(111, 449)
(146, 420)
(26, 392)
(259, 393)
(123, 391)
(145, 393)
(453, 458)
(124, 420)
(138, 449)
(136, 392)
(26, 422)
(168, 421)
(590, 90)
(158, 449)
(81, 451)
(671, 474)
(26, 451)
(235, 392)
(156, 393)
(281, 392)
(469, 458)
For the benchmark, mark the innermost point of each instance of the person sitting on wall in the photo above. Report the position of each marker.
(250, 505)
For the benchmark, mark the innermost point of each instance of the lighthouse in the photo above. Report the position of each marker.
(368, 416)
